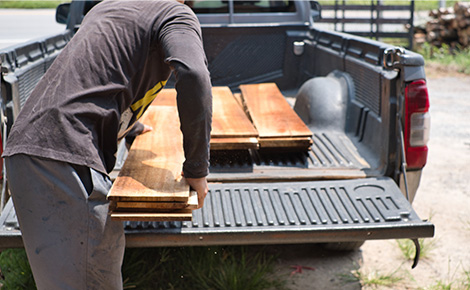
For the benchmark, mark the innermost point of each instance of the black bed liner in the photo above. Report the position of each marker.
(277, 198)
(333, 155)
(295, 212)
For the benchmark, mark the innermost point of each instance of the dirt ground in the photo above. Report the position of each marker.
(443, 197)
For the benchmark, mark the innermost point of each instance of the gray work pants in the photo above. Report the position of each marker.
(70, 240)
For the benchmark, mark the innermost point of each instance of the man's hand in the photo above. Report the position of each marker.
(146, 129)
(199, 185)
(137, 129)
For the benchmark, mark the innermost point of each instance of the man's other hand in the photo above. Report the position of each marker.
(199, 185)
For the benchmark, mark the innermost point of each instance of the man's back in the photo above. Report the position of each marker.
(101, 83)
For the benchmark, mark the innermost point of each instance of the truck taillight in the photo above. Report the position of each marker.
(417, 124)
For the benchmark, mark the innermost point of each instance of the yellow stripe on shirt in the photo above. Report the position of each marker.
(147, 99)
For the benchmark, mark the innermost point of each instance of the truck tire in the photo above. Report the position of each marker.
(322, 101)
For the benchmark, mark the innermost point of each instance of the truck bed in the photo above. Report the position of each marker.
(330, 193)
(333, 155)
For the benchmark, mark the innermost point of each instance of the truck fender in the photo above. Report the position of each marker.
(321, 102)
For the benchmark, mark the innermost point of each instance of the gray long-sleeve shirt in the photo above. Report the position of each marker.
(106, 77)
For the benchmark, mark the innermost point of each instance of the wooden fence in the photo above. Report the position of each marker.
(375, 20)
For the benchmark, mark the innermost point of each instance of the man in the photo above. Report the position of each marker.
(63, 143)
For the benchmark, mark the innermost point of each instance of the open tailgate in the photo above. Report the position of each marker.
(277, 213)
(294, 212)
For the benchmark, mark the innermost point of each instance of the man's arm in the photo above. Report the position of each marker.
(182, 44)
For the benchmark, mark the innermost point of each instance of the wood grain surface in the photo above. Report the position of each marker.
(152, 171)
(228, 118)
(180, 215)
(294, 142)
(239, 143)
(231, 128)
(157, 206)
(270, 112)
(277, 123)
(166, 97)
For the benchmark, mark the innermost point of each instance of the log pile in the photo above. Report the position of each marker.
(449, 26)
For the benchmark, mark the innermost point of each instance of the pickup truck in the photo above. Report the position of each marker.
(365, 101)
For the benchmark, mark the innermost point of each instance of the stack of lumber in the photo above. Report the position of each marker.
(149, 186)
(449, 26)
(231, 128)
(277, 124)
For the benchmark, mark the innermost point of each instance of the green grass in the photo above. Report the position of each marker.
(408, 249)
(199, 268)
(373, 279)
(453, 280)
(440, 285)
(15, 272)
(231, 268)
(457, 59)
(31, 4)
(419, 4)
(466, 280)
(432, 4)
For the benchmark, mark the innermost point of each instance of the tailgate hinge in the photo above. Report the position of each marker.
(391, 57)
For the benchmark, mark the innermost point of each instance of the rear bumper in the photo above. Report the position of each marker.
(292, 235)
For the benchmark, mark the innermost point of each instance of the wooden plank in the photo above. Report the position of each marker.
(152, 171)
(158, 205)
(234, 143)
(296, 142)
(166, 97)
(231, 128)
(272, 115)
(228, 118)
(181, 215)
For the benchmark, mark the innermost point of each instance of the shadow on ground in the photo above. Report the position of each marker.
(331, 269)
